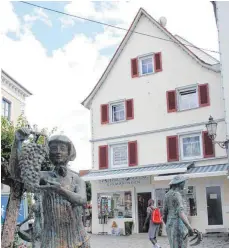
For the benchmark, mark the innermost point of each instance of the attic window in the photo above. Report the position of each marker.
(146, 65)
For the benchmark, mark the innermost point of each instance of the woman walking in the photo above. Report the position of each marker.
(153, 228)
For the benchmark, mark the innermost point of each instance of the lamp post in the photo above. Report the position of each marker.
(211, 129)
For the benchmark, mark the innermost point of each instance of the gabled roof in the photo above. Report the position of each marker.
(207, 58)
(28, 93)
(87, 102)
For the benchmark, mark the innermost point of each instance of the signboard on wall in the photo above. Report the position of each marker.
(119, 182)
(22, 210)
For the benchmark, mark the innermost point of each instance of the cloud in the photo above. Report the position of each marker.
(179, 22)
(61, 81)
(109, 37)
(67, 21)
(58, 82)
(37, 15)
(11, 21)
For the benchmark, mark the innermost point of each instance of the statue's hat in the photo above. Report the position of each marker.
(178, 179)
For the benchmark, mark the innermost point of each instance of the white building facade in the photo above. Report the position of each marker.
(13, 105)
(221, 10)
(148, 114)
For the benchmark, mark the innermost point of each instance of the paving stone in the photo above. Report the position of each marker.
(141, 241)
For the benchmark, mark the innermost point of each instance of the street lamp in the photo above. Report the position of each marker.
(211, 129)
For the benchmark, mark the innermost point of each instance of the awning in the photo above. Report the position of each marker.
(137, 171)
(201, 171)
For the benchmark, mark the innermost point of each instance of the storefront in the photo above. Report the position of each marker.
(122, 196)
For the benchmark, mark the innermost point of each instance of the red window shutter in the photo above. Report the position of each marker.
(171, 101)
(172, 148)
(134, 67)
(129, 109)
(133, 153)
(103, 157)
(104, 114)
(203, 95)
(208, 146)
(157, 62)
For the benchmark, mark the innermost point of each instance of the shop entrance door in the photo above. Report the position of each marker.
(214, 205)
(142, 207)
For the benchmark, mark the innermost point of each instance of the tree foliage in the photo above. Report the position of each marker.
(8, 131)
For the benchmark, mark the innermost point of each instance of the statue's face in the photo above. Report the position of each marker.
(59, 153)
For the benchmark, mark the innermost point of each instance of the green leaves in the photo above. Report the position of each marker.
(7, 134)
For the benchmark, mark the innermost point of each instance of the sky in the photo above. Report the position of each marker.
(60, 58)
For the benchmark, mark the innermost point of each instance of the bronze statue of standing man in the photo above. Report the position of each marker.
(63, 195)
(177, 224)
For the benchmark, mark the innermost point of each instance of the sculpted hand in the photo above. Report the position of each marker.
(190, 232)
(22, 134)
(53, 186)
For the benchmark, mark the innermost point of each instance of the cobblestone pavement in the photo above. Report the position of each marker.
(141, 241)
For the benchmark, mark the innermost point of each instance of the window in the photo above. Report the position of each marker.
(117, 112)
(6, 108)
(119, 155)
(188, 98)
(191, 146)
(146, 65)
(115, 205)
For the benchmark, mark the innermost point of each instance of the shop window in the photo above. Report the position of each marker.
(160, 196)
(115, 205)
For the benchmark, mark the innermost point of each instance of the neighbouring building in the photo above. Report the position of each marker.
(148, 115)
(221, 10)
(13, 105)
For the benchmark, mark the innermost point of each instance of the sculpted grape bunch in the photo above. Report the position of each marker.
(33, 159)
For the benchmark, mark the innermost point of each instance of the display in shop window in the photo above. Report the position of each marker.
(118, 204)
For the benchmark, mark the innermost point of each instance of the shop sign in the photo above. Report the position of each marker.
(125, 181)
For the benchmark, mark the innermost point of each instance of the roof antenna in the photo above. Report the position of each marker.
(163, 21)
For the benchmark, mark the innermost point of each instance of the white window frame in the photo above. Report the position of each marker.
(111, 113)
(4, 103)
(141, 58)
(181, 145)
(111, 163)
(179, 90)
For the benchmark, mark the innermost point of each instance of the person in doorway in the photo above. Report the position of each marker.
(153, 228)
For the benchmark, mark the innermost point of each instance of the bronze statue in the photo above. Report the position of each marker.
(62, 192)
(178, 227)
(33, 234)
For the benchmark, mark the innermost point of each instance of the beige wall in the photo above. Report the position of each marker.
(15, 105)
